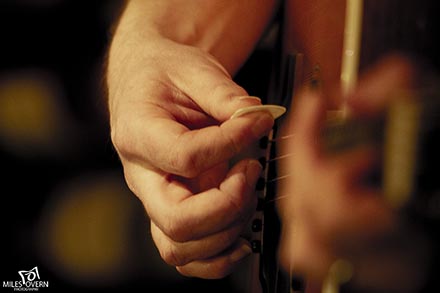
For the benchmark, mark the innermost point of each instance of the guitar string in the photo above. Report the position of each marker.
(285, 156)
(287, 136)
(276, 199)
(279, 178)
(275, 160)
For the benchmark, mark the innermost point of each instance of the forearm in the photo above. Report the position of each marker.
(227, 29)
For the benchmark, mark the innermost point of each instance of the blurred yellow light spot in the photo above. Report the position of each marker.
(87, 229)
(31, 113)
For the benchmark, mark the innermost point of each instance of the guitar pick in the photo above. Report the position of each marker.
(275, 110)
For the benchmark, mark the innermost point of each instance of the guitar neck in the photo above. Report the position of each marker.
(385, 26)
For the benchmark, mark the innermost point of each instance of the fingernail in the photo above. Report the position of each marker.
(250, 98)
(243, 251)
(253, 171)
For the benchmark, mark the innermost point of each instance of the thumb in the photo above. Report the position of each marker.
(211, 87)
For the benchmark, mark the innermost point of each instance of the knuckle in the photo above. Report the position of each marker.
(132, 181)
(129, 180)
(231, 236)
(168, 249)
(119, 140)
(218, 270)
(114, 136)
(232, 142)
(176, 231)
(183, 162)
(238, 206)
(221, 269)
(170, 255)
(184, 271)
(238, 192)
(227, 89)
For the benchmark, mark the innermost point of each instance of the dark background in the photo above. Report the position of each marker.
(64, 205)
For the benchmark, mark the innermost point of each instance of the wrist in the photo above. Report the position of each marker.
(227, 30)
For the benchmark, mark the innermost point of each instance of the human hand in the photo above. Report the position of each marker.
(329, 212)
(170, 106)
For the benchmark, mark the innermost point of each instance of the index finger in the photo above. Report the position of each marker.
(173, 148)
